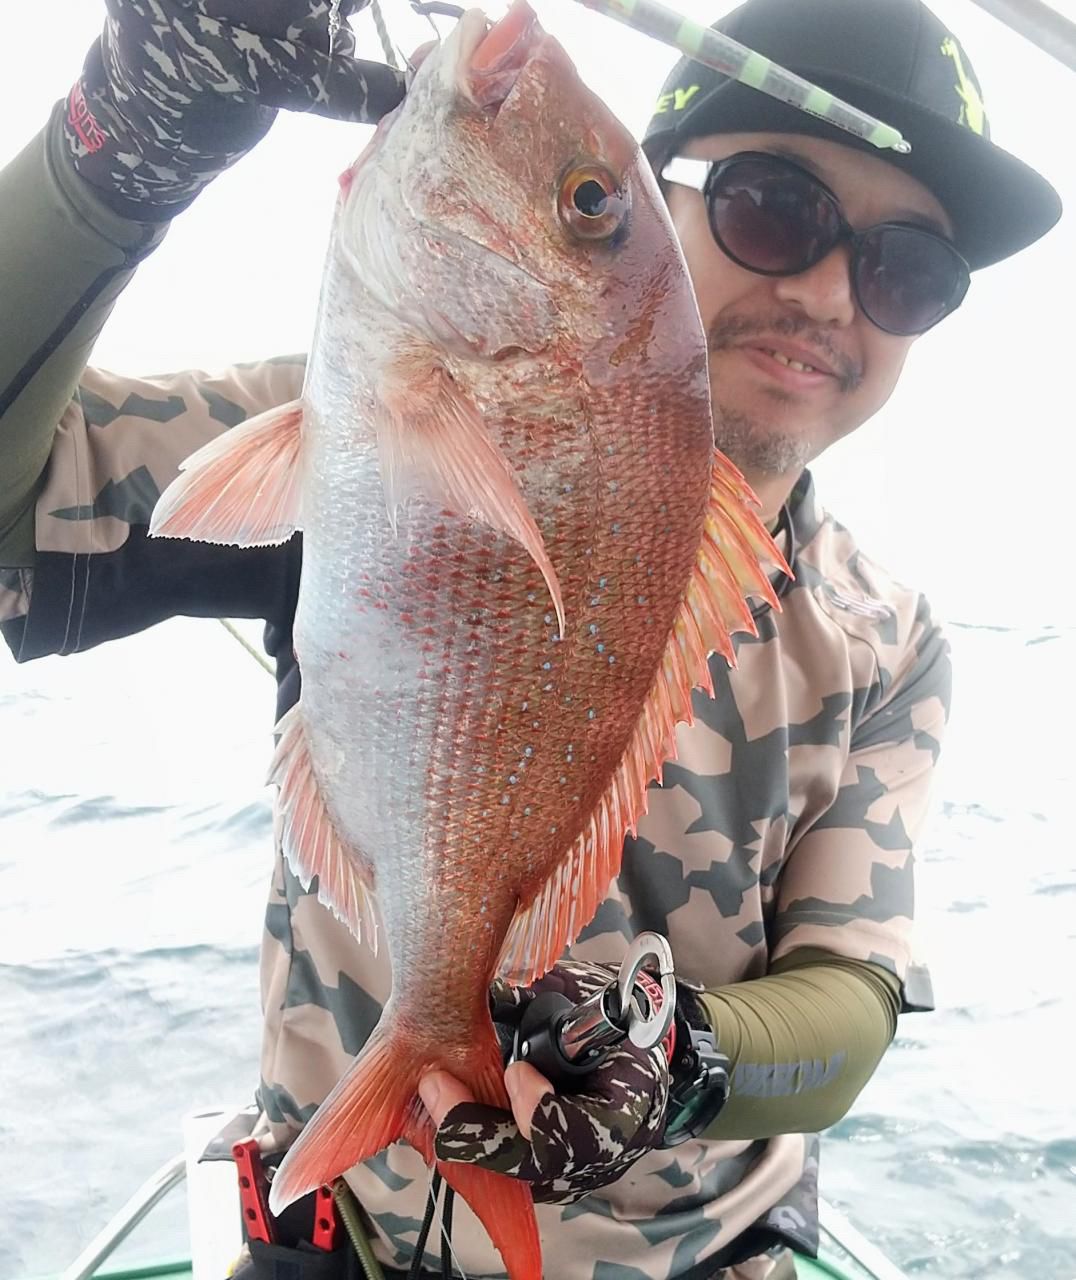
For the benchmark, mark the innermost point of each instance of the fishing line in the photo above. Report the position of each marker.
(448, 1254)
(415, 1270)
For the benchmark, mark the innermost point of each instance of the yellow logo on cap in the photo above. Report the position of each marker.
(676, 101)
(972, 113)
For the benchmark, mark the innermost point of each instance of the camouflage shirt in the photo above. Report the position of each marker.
(786, 821)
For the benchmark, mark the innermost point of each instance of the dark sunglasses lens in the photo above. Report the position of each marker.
(771, 219)
(908, 280)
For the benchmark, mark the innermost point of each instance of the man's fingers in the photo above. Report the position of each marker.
(361, 91)
(440, 1091)
(299, 78)
(526, 1088)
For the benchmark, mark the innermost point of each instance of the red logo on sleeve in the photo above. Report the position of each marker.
(81, 119)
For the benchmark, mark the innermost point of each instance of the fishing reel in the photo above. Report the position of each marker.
(563, 1040)
(566, 1041)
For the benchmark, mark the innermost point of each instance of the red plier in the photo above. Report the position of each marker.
(254, 1198)
(253, 1190)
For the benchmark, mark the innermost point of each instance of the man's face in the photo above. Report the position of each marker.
(772, 419)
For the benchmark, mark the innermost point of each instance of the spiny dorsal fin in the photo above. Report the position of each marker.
(733, 542)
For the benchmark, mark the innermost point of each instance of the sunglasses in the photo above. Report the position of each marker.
(775, 218)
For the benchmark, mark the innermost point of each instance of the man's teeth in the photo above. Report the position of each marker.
(793, 364)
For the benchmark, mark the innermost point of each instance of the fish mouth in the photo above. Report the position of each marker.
(490, 59)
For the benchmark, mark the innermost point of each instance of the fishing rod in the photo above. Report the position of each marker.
(1039, 23)
(738, 62)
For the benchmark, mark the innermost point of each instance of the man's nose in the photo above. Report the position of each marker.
(824, 291)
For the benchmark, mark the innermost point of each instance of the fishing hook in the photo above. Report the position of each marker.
(440, 7)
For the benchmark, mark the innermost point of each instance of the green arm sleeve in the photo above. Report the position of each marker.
(802, 1041)
(64, 259)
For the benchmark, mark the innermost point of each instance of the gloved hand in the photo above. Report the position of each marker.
(177, 90)
(575, 1142)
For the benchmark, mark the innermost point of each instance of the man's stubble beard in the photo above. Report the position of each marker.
(756, 448)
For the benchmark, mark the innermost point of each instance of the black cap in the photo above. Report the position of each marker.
(895, 60)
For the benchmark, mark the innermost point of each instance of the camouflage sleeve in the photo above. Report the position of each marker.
(96, 575)
(64, 259)
(846, 885)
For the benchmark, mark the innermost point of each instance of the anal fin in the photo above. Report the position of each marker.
(309, 839)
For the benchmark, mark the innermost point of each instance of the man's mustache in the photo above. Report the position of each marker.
(733, 332)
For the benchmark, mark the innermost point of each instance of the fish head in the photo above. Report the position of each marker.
(503, 206)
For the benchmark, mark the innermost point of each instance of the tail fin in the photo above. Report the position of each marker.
(377, 1103)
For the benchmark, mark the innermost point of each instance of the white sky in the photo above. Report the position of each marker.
(961, 485)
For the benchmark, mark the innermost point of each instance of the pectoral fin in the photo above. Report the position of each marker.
(432, 440)
(242, 489)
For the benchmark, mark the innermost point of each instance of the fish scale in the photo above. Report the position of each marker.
(520, 548)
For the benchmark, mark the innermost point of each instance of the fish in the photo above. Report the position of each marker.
(521, 547)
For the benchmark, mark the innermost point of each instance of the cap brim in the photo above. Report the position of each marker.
(997, 203)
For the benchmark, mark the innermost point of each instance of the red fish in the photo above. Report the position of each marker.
(520, 548)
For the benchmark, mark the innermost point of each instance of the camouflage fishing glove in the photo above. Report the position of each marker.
(582, 1140)
(175, 91)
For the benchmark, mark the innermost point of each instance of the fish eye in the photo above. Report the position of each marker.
(590, 202)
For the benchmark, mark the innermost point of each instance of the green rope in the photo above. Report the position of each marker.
(348, 1208)
(236, 634)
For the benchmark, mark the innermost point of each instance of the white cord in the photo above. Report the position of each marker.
(383, 33)
(335, 23)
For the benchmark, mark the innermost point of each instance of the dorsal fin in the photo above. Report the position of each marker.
(728, 565)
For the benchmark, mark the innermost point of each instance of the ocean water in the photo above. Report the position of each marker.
(134, 860)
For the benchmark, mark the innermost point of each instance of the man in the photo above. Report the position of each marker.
(776, 856)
